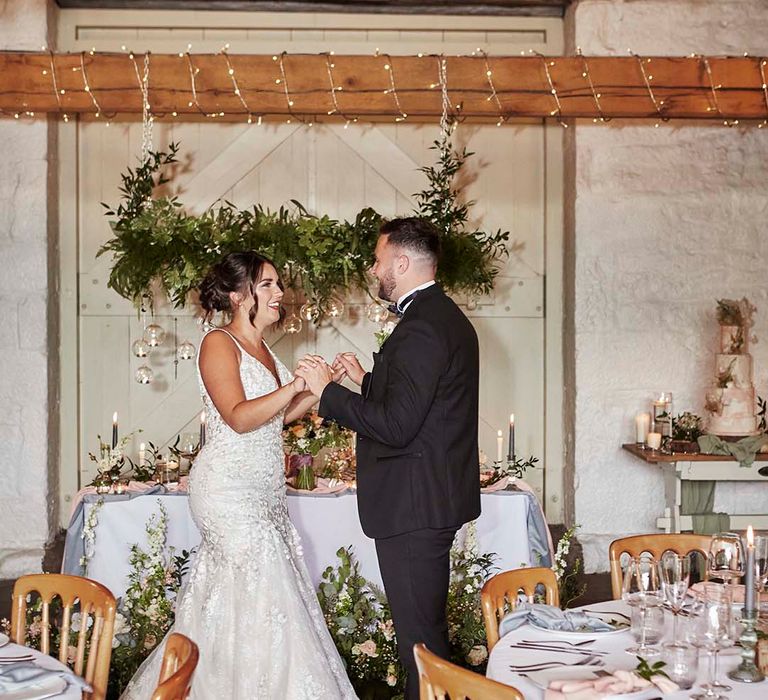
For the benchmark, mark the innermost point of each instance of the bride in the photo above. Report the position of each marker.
(248, 603)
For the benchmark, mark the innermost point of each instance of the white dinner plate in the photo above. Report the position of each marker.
(621, 624)
(4, 639)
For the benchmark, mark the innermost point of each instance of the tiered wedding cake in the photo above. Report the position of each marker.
(731, 405)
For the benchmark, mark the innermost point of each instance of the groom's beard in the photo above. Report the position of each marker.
(387, 287)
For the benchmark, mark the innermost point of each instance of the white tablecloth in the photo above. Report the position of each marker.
(504, 654)
(72, 691)
(325, 524)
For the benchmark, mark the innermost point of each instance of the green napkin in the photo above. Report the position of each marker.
(745, 450)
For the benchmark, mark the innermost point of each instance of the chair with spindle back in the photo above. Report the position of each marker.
(439, 678)
(179, 663)
(94, 601)
(499, 594)
(654, 544)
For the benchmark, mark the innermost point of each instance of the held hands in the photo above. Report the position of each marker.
(316, 374)
(348, 362)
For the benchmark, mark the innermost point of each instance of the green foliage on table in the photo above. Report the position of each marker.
(646, 671)
(157, 246)
(686, 426)
(567, 573)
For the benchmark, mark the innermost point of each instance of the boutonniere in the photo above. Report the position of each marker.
(384, 332)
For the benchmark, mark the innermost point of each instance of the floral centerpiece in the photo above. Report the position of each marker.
(686, 430)
(513, 468)
(303, 439)
(110, 463)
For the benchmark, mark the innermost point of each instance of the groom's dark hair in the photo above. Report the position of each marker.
(415, 234)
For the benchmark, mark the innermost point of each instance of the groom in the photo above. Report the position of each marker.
(416, 424)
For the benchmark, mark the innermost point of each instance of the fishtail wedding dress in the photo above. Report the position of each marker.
(249, 603)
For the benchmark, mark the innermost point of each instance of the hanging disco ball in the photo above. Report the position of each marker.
(293, 324)
(309, 311)
(376, 312)
(144, 375)
(186, 351)
(141, 348)
(154, 335)
(334, 308)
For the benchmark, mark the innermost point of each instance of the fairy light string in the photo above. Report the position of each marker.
(86, 85)
(392, 89)
(658, 105)
(585, 73)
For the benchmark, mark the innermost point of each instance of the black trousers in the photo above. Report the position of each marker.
(415, 569)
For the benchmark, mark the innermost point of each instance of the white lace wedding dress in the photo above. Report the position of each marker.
(249, 603)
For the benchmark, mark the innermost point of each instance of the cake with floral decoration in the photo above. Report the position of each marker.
(731, 404)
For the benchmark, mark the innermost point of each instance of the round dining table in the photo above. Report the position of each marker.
(14, 653)
(611, 651)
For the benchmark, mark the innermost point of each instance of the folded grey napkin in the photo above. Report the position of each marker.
(551, 618)
(27, 674)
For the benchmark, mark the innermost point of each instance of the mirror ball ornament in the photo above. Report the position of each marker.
(154, 335)
(309, 311)
(376, 312)
(141, 348)
(293, 324)
(334, 308)
(186, 351)
(144, 375)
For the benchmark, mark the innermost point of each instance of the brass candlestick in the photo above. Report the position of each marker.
(747, 671)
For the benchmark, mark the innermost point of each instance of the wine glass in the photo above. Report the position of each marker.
(714, 631)
(761, 566)
(640, 589)
(725, 559)
(675, 572)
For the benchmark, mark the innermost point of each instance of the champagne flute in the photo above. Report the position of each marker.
(675, 571)
(714, 631)
(640, 589)
(725, 559)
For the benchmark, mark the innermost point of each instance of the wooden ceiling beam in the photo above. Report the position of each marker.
(672, 88)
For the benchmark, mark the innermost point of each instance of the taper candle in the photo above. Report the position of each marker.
(511, 454)
(202, 429)
(499, 446)
(749, 575)
(142, 452)
(114, 430)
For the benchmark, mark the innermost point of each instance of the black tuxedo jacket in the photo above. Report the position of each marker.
(416, 422)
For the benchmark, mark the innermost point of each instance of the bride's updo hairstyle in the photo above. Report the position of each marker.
(236, 272)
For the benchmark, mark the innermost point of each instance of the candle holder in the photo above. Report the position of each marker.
(747, 671)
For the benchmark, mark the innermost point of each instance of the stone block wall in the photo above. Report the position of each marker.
(662, 222)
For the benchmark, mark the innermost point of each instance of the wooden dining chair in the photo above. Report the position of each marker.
(655, 545)
(439, 678)
(500, 592)
(93, 602)
(179, 662)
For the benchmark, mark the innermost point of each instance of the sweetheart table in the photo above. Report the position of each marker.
(505, 654)
(511, 525)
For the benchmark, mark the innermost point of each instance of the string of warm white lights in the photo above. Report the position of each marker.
(86, 86)
(558, 111)
(469, 84)
(238, 91)
(494, 95)
(761, 62)
(713, 89)
(647, 77)
(392, 89)
(595, 95)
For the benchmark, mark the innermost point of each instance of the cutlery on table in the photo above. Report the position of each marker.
(558, 650)
(582, 643)
(607, 612)
(590, 660)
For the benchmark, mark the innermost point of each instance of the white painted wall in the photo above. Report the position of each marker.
(27, 333)
(665, 221)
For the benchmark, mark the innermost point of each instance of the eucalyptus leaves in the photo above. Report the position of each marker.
(157, 246)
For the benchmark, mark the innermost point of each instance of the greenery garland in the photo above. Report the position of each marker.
(156, 245)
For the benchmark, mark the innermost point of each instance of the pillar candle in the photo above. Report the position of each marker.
(653, 440)
(642, 423)
(499, 446)
(114, 430)
(749, 576)
(142, 452)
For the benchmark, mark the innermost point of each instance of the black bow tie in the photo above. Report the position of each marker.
(399, 308)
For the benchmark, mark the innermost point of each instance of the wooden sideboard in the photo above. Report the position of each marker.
(680, 466)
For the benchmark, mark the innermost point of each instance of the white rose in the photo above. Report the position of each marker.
(477, 655)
